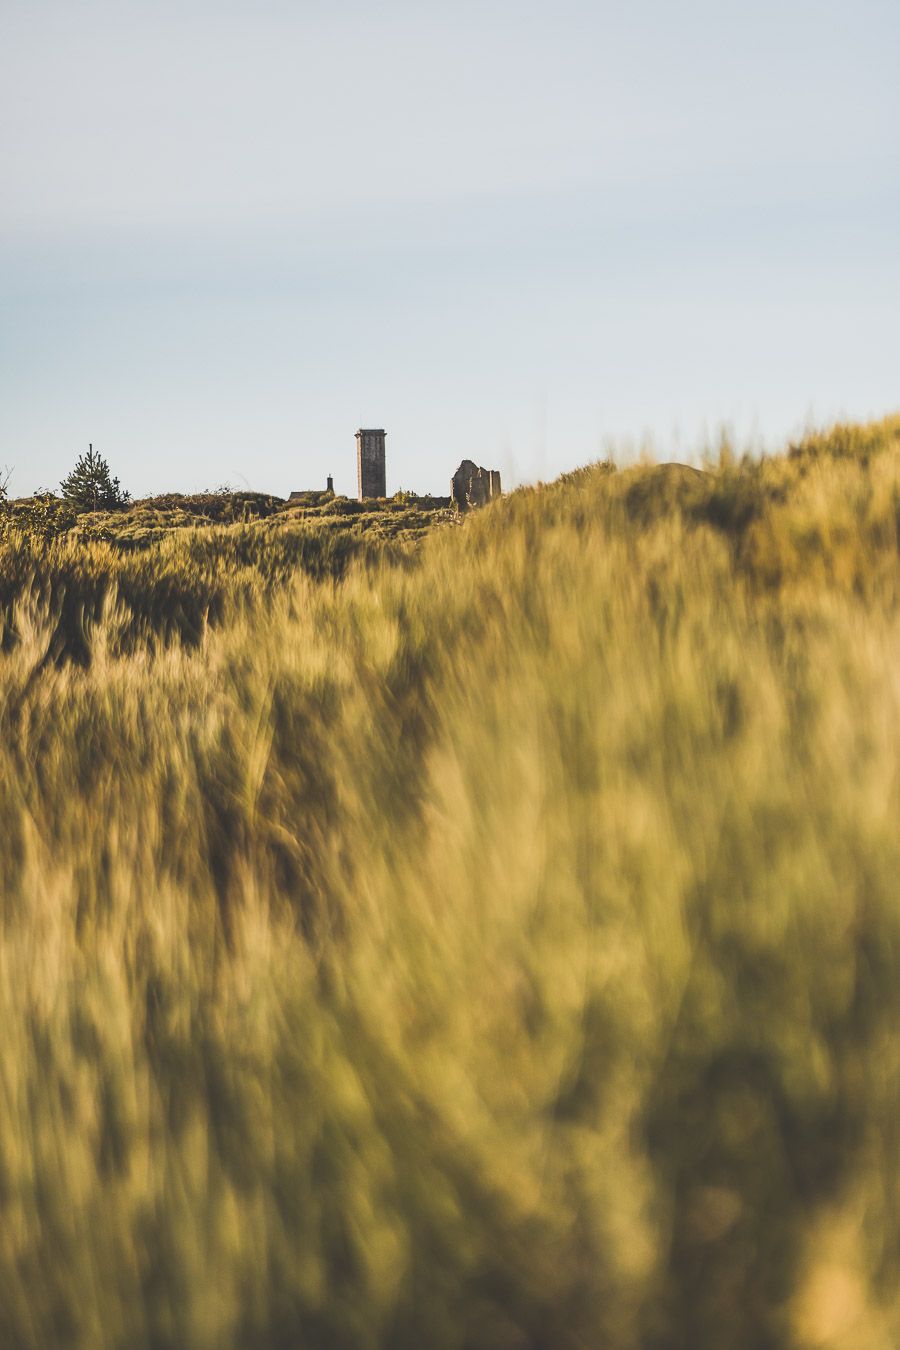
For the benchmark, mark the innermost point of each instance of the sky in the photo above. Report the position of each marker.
(523, 233)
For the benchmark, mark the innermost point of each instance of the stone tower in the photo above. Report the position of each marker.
(370, 464)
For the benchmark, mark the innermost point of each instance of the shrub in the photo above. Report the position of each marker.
(90, 487)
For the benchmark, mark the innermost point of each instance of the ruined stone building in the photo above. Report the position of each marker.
(370, 470)
(473, 486)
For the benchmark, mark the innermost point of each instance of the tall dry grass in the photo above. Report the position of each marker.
(498, 950)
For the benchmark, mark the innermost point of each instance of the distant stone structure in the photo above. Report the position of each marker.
(472, 486)
(308, 492)
(370, 469)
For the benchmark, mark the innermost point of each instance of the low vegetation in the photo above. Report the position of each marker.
(473, 936)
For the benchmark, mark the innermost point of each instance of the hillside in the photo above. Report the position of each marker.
(420, 933)
(175, 562)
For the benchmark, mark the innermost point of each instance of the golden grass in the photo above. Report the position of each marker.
(495, 946)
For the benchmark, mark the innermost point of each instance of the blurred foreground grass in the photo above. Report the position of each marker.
(492, 943)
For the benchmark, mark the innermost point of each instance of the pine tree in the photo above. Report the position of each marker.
(89, 486)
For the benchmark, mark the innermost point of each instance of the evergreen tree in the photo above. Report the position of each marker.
(89, 486)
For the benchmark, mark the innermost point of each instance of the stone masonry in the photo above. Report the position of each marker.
(370, 470)
(472, 486)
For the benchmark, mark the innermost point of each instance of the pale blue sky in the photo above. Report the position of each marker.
(232, 233)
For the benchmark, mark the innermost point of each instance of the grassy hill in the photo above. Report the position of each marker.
(175, 563)
(458, 935)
